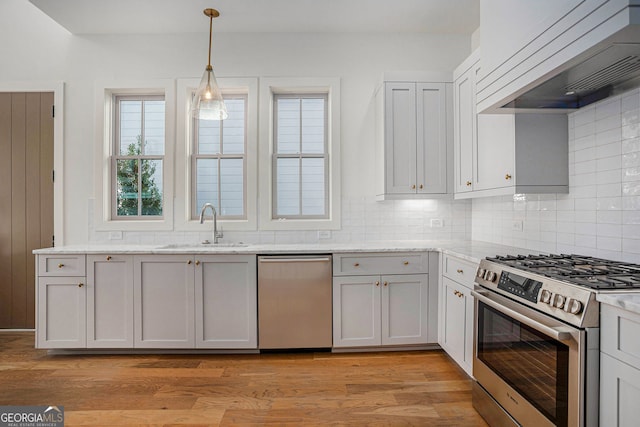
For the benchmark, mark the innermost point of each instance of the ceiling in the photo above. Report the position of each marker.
(295, 16)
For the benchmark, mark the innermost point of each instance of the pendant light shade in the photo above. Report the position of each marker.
(208, 103)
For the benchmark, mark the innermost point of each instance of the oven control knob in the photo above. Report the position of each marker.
(491, 276)
(481, 272)
(545, 296)
(573, 306)
(558, 300)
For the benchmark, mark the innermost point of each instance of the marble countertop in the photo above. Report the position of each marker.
(628, 301)
(472, 251)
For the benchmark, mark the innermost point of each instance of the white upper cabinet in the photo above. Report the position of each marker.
(464, 123)
(527, 42)
(502, 154)
(412, 141)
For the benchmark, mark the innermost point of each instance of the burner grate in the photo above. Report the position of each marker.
(595, 273)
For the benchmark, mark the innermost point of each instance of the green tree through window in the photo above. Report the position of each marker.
(130, 200)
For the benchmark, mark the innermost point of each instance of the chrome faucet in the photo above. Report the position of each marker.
(216, 233)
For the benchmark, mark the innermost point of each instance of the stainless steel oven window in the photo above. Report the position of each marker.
(535, 365)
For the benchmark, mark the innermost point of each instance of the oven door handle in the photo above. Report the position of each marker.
(553, 332)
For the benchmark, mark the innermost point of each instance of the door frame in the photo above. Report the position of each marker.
(57, 87)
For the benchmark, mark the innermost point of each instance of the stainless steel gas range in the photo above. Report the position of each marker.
(537, 337)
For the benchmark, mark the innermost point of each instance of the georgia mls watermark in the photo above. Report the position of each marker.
(31, 416)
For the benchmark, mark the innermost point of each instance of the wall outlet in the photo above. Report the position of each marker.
(115, 235)
(437, 223)
(324, 234)
(516, 226)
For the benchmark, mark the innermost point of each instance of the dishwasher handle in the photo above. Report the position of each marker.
(289, 260)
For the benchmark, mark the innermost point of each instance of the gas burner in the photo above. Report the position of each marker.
(595, 273)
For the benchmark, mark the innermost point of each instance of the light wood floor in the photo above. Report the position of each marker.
(422, 388)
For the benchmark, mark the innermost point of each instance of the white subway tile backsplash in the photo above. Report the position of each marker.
(601, 214)
(608, 163)
(609, 203)
(609, 230)
(609, 190)
(608, 137)
(609, 217)
(609, 243)
(607, 108)
(630, 100)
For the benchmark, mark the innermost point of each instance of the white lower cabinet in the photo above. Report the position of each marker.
(226, 301)
(456, 310)
(164, 298)
(62, 312)
(619, 367)
(61, 301)
(110, 301)
(202, 301)
(382, 309)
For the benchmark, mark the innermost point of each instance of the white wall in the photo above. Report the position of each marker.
(601, 214)
(35, 48)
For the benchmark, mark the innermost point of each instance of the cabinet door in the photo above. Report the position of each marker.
(464, 130)
(495, 162)
(356, 311)
(400, 138)
(109, 301)
(405, 309)
(619, 393)
(61, 311)
(456, 317)
(226, 301)
(431, 114)
(164, 301)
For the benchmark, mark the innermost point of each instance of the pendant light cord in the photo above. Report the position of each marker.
(210, 38)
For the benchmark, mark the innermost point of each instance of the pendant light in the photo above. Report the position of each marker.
(208, 103)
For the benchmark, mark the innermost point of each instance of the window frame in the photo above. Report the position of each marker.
(300, 155)
(101, 204)
(184, 149)
(195, 156)
(116, 155)
(269, 88)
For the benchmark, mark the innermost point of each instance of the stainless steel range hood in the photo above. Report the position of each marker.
(609, 71)
(607, 68)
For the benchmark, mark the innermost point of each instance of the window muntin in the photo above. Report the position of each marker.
(219, 162)
(300, 157)
(138, 157)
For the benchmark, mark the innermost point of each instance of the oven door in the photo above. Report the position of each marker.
(530, 363)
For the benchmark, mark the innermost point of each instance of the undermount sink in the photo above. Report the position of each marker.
(205, 244)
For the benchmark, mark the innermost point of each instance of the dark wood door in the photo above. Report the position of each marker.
(26, 200)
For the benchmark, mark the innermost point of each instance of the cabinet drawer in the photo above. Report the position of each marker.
(404, 263)
(619, 334)
(61, 265)
(462, 271)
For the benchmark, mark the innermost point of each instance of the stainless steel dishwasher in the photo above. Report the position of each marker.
(294, 301)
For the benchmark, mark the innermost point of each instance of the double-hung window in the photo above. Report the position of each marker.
(138, 157)
(219, 162)
(300, 157)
